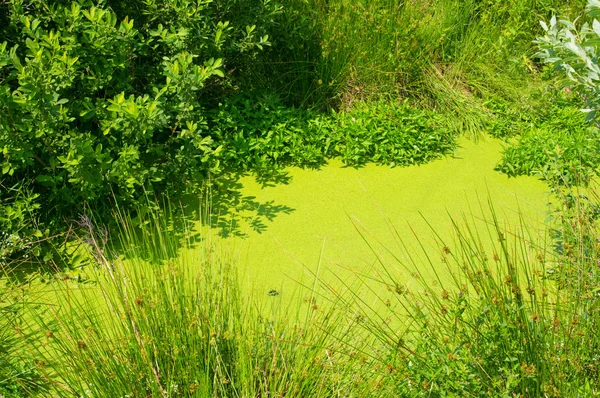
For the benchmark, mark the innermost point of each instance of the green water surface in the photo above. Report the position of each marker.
(309, 224)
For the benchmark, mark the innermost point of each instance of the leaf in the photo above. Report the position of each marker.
(591, 116)
(44, 179)
(591, 43)
(596, 27)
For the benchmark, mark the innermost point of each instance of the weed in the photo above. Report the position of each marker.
(490, 328)
(179, 325)
(563, 150)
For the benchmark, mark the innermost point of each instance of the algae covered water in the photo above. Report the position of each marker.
(316, 221)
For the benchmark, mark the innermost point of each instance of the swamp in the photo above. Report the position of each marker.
(299, 198)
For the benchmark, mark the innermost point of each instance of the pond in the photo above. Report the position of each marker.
(311, 223)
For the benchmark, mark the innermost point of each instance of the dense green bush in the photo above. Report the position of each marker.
(392, 133)
(559, 145)
(261, 133)
(95, 104)
(18, 229)
(574, 53)
(91, 104)
(563, 150)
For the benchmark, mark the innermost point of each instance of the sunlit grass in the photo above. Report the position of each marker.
(496, 310)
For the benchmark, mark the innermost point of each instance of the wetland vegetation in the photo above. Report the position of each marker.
(299, 198)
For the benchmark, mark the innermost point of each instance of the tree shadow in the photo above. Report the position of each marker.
(156, 232)
(228, 211)
(218, 209)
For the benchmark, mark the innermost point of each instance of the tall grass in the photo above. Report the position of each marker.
(455, 56)
(498, 310)
(18, 371)
(498, 313)
(168, 318)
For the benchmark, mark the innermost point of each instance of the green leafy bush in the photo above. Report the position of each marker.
(92, 105)
(563, 150)
(392, 133)
(259, 133)
(262, 134)
(574, 53)
(96, 105)
(18, 229)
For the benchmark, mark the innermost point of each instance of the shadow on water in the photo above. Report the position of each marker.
(156, 233)
(54, 255)
(231, 213)
(220, 209)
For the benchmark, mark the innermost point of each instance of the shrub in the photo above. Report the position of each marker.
(18, 216)
(562, 150)
(574, 53)
(95, 105)
(92, 105)
(262, 134)
(258, 133)
(391, 133)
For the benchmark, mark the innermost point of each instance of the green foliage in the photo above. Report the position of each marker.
(17, 222)
(508, 120)
(17, 380)
(259, 134)
(74, 119)
(562, 150)
(574, 53)
(95, 105)
(290, 66)
(162, 321)
(391, 133)
(112, 99)
(116, 101)
(451, 55)
(576, 238)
